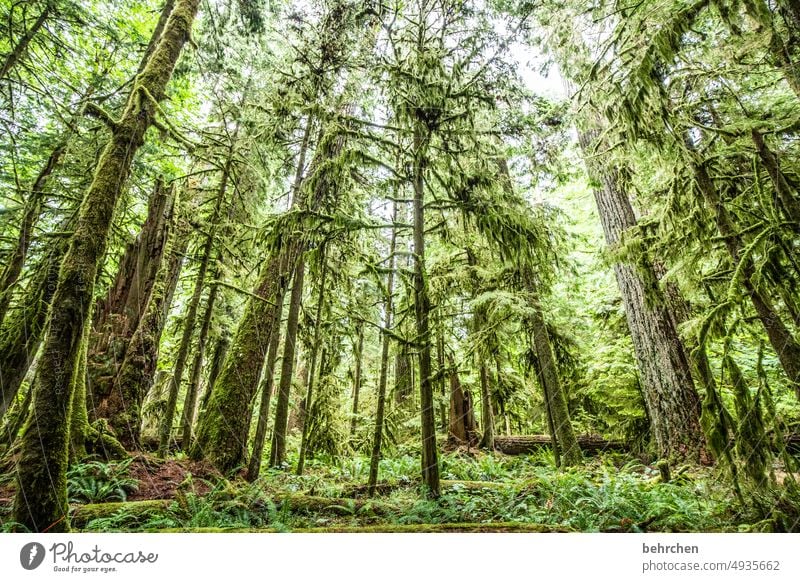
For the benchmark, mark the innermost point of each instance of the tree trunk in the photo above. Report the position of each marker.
(380, 411)
(422, 309)
(359, 355)
(312, 372)
(22, 333)
(672, 402)
(223, 428)
(565, 446)
(118, 314)
(190, 402)
(277, 455)
(41, 498)
(461, 426)
(123, 407)
(33, 210)
(786, 192)
(267, 384)
(21, 47)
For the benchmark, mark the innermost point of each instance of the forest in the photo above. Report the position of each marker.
(400, 265)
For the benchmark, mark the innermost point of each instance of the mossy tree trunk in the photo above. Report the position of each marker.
(118, 314)
(41, 499)
(359, 356)
(461, 427)
(422, 310)
(30, 216)
(223, 428)
(566, 450)
(123, 407)
(22, 333)
(277, 454)
(780, 338)
(19, 49)
(312, 371)
(267, 385)
(383, 372)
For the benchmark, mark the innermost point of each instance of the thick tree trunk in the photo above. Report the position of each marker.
(380, 411)
(277, 455)
(461, 426)
(669, 393)
(422, 309)
(118, 314)
(123, 407)
(359, 355)
(41, 499)
(224, 442)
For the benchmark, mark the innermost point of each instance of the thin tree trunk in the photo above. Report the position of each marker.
(190, 402)
(41, 498)
(312, 372)
(33, 210)
(786, 193)
(380, 411)
(422, 308)
(565, 443)
(277, 454)
(357, 380)
(21, 47)
(267, 384)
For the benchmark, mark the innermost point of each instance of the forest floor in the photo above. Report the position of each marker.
(481, 492)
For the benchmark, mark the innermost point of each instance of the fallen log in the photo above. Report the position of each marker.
(524, 444)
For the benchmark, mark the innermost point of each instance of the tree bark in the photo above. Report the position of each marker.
(118, 314)
(359, 355)
(312, 372)
(461, 426)
(21, 47)
(267, 384)
(380, 411)
(669, 393)
(30, 216)
(565, 445)
(422, 309)
(277, 455)
(41, 498)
